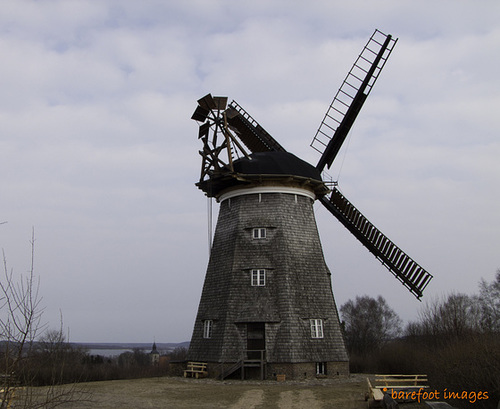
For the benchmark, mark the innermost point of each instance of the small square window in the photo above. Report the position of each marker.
(316, 328)
(258, 278)
(259, 233)
(320, 368)
(207, 328)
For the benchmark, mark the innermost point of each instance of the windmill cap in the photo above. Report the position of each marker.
(276, 163)
(276, 169)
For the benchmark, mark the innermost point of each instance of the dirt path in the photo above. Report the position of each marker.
(249, 400)
(299, 400)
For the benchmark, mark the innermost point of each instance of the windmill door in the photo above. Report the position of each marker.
(256, 340)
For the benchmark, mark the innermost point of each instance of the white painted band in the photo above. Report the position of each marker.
(267, 189)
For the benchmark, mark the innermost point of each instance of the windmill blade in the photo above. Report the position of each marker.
(210, 102)
(350, 97)
(206, 105)
(414, 277)
(200, 114)
(255, 138)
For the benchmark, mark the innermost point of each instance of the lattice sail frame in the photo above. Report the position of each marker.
(328, 140)
(403, 267)
(351, 96)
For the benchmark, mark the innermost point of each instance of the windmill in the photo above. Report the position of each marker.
(267, 304)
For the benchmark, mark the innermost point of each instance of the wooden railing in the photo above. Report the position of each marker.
(250, 359)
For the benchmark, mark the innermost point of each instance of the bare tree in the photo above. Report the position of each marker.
(489, 304)
(20, 326)
(179, 354)
(369, 323)
(442, 320)
(459, 315)
(20, 321)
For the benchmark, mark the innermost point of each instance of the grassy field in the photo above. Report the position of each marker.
(167, 392)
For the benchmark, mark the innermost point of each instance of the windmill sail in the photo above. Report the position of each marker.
(254, 136)
(413, 276)
(350, 97)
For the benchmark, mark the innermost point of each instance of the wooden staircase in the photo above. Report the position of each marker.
(258, 362)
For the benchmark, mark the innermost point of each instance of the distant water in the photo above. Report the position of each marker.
(112, 353)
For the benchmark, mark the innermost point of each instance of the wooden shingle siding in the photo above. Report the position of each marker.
(297, 287)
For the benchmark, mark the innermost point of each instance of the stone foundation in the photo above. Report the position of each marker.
(292, 371)
(306, 370)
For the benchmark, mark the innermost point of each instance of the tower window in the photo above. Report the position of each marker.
(207, 328)
(259, 233)
(258, 277)
(316, 328)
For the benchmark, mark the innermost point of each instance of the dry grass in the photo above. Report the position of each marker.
(167, 392)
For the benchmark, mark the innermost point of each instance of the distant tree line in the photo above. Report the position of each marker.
(455, 340)
(51, 360)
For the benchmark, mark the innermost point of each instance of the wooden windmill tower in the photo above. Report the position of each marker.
(267, 304)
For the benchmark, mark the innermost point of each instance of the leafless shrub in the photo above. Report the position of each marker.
(20, 326)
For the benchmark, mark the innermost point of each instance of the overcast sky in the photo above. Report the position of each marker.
(99, 155)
